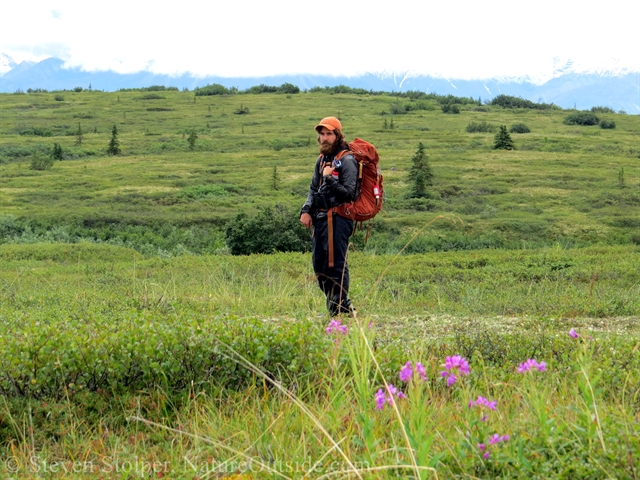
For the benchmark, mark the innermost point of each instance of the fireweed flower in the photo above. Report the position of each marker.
(483, 402)
(406, 372)
(530, 364)
(495, 438)
(421, 371)
(454, 363)
(335, 326)
(382, 398)
(573, 333)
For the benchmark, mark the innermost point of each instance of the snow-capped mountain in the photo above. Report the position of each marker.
(567, 85)
(6, 63)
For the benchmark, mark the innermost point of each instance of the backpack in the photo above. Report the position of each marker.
(369, 193)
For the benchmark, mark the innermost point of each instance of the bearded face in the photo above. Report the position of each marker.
(327, 141)
(326, 148)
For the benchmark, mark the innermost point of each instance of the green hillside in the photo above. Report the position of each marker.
(564, 184)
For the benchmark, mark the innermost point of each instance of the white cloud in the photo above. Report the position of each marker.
(456, 39)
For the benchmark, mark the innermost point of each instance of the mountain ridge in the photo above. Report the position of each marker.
(616, 88)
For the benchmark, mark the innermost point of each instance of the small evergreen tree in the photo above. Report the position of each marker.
(275, 177)
(114, 144)
(193, 136)
(79, 135)
(420, 174)
(503, 140)
(57, 153)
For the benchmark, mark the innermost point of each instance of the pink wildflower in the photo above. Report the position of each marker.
(483, 402)
(495, 438)
(335, 326)
(532, 363)
(406, 372)
(382, 398)
(573, 333)
(454, 363)
(421, 371)
(486, 454)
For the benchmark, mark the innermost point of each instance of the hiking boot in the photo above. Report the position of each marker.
(336, 307)
(332, 305)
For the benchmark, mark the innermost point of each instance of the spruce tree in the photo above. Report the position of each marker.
(275, 178)
(193, 136)
(503, 140)
(420, 174)
(114, 144)
(57, 152)
(79, 135)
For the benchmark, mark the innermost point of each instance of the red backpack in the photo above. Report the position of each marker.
(370, 193)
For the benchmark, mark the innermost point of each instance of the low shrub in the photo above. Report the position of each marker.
(58, 98)
(397, 109)
(127, 354)
(600, 109)
(581, 118)
(271, 229)
(450, 108)
(41, 162)
(243, 110)
(519, 128)
(508, 101)
(152, 96)
(36, 132)
(607, 124)
(213, 89)
(481, 127)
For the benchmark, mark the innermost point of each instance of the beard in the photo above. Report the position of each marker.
(327, 148)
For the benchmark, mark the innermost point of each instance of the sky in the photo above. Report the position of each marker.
(468, 39)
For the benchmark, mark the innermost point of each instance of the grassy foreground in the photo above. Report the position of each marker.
(117, 366)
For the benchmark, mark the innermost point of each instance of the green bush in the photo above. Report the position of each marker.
(519, 128)
(397, 109)
(41, 162)
(65, 355)
(36, 132)
(600, 109)
(581, 118)
(271, 229)
(507, 101)
(450, 108)
(58, 98)
(288, 88)
(607, 124)
(243, 110)
(152, 96)
(213, 89)
(481, 127)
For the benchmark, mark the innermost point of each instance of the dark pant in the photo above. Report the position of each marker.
(332, 281)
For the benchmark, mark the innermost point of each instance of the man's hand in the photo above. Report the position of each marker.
(305, 218)
(327, 171)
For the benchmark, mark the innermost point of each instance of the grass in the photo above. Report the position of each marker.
(560, 185)
(255, 383)
(134, 346)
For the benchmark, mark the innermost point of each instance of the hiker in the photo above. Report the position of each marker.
(334, 183)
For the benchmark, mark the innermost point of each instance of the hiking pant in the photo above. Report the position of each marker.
(330, 280)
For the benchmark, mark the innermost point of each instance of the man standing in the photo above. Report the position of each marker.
(334, 182)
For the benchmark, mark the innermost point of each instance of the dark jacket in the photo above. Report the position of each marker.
(330, 191)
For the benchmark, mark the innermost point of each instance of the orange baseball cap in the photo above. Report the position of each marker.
(330, 123)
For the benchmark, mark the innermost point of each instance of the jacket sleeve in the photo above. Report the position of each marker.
(343, 188)
(313, 188)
